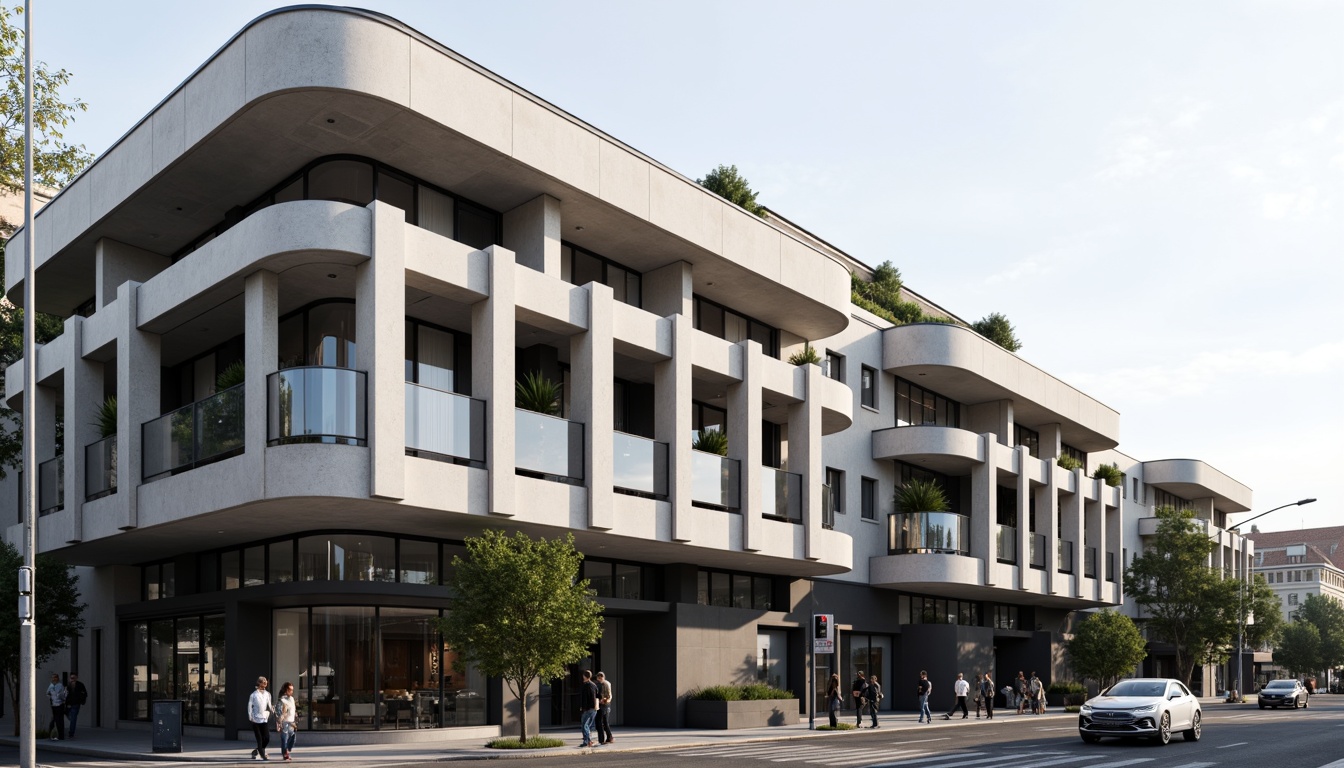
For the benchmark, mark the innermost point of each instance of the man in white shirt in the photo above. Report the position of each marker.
(962, 690)
(259, 708)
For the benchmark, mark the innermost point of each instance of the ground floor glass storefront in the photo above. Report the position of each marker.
(181, 658)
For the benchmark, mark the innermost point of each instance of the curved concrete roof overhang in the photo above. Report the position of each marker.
(948, 450)
(1193, 479)
(959, 363)
(306, 82)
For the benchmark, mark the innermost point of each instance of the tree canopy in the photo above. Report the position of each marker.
(726, 182)
(1106, 646)
(56, 606)
(521, 611)
(1326, 649)
(1299, 651)
(997, 329)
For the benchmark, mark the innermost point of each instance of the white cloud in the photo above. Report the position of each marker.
(1277, 206)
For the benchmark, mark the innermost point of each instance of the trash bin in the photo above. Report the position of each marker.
(167, 717)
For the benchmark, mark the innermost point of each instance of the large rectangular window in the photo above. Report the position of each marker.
(581, 267)
(917, 406)
(737, 590)
(1028, 437)
(717, 320)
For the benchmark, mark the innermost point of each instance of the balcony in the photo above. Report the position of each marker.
(715, 481)
(639, 466)
(1090, 562)
(782, 495)
(1005, 544)
(1037, 553)
(316, 404)
(100, 468)
(51, 485)
(1065, 551)
(945, 533)
(444, 425)
(205, 431)
(548, 447)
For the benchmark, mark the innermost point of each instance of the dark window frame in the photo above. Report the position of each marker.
(868, 396)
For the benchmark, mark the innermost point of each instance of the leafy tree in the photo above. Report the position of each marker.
(54, 163)
(1106, 646)
(997, 329)
(60, 614)
(1188, 603)
(521, 612)
(727, 183)
(1299, 651)
(1328, 618)
(1264, 619)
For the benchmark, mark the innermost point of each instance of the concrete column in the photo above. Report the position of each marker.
(1052, 444)
(115, 263)
(672, 421)
(1094, 531)
(1115, 522)
(380, 329)
(805, 455)
(1047, 524)
(744, 440)
(994, 416)
(985, 507)
(1023, 525)
(1073, 527)
(493, 340)
(532, 232)
(138, 399)
(83, 396)
(669, 291)
(261, 356)
(592, 375)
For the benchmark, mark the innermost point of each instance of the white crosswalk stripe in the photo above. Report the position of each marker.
(1120, 763)
(866, 756)
(1193, 765)
(1336, 764)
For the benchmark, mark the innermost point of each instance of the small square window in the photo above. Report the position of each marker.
(869, 499)
(834, 366)
(836, 480)
(868, 387)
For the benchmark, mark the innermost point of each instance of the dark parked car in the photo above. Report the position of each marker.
(1284, 693)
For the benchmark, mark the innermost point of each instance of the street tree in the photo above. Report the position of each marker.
(1188, 604)
(1328, 618)
(520, 611)
(1262, 615)
(1299, 650)
(56, 606)
(997, 329)
(726, 182)
(1105, 646)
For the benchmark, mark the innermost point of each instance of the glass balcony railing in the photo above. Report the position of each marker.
(1005, 544)
(444, 424)
(715, 481)
(639, 465)
(1065, 551)
(782, 494)
(316, 404)
(196, 434)
(928, 532)
(827, 507)
(51, 485)
(100, 468)
(548, 447)
(1090, 562)
(1037, 554)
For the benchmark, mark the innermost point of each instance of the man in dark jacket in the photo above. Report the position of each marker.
(588, 696)
(76, 697)
(857, 690)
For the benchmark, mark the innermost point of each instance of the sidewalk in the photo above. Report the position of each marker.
(134, 745)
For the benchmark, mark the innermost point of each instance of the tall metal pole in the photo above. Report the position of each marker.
(27, 712)
(1241, 627)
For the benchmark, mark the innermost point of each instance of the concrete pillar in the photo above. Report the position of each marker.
(138, 399)
(261, 357)
(985, 506)
(83, 396)
(592, 375)
(115, 263)
(493, 340)
(805, 455)
(532, 232)
(1052, 443)
(672, 421)
(668, 290)
(1094, 534)
(1073, 527)
(744, 440)
(1047, 524)
(994, 416)
(1115, 522)
(380, 328)
(1023, 498)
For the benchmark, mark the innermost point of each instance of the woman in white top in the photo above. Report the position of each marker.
(259, 709)
(286, 721)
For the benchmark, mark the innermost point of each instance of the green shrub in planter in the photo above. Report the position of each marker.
(838, 727)
(749, 692)
(536, 742)
(921, 496)
(1110, 473)
(1068, 462)
(808, 356)
(1066, 686)
(711, 441)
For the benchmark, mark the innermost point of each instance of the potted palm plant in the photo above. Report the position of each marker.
(711, 441)
(535, 392)
(921, 495)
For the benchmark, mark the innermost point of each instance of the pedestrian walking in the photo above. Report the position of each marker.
(833, 699)
(588, 697)
(1020, 690)
(287, 720)
(986, 697)
(1036, 690)
(857, 688)
(259, 709)
(961, 689)
(56, 693)
(77, 696)
(873, 695)
(925, 691)
(604, 696)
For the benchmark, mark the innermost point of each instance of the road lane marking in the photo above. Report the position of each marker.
(867, 756)
(1194, 765)
(920, 741)
(1238, 744)
(1336, 764)
(941, 758)
(1120, 763)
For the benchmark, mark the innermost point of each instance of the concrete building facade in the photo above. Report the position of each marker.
(299, 295)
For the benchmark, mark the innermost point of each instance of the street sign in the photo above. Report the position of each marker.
(823, 633)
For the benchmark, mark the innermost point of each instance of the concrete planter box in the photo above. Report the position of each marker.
(725, 715)
(1065, 699)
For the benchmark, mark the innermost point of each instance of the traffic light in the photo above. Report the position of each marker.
(822, 630)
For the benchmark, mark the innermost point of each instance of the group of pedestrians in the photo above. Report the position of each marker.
(66, 700)
(595, 697)
(260, 707)
(867, 693)
(1027, 694)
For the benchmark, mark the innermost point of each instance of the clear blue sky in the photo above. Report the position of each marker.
(1152, 192)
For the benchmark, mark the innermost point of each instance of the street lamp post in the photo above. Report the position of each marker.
(1241, 590)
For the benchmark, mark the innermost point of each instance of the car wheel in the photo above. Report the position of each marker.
(1163, 736)
(1196, 730)
(1090, 738)
(1262, 706)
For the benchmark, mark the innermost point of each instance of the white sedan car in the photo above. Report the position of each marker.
(1150, 708)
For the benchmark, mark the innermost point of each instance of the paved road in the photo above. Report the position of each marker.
(1233, 738)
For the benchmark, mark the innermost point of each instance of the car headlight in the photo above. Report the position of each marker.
(1141, 710)
(1085, 710)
